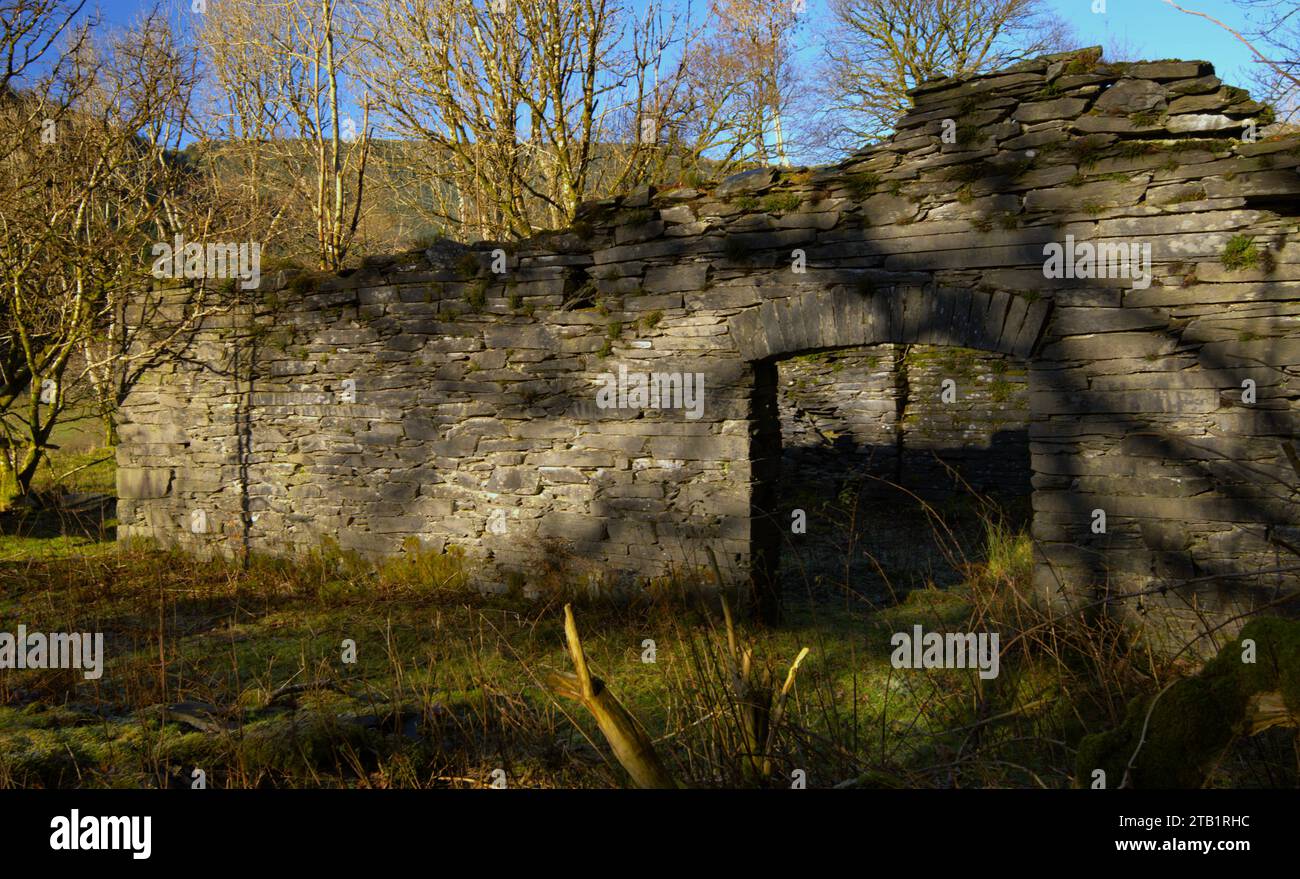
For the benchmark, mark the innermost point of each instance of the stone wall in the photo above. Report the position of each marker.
(882, 411)
(475, 418)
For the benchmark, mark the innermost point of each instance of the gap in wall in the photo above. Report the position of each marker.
(869, 440)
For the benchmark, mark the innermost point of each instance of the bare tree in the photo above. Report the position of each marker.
(878, 49)
(28, 30)
(523, 108)
(1274, 40)
(279, 72)
(747, 61)
(81, 195)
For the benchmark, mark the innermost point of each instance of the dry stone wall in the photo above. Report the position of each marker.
(885, 412)
(429, 397)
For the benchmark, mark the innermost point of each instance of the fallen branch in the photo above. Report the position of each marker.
(631, 746)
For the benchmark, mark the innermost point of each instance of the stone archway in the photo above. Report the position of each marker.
(838, 318)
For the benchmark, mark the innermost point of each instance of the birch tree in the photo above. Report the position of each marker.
(279, 117)
(524, 108)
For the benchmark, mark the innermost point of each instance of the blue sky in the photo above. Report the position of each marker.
(1145, 28)
(1153, 29)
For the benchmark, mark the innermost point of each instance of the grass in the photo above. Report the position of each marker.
(1086, 151)
(1242, 254)
(1136, 149)
(239, 667)
(862, 183)
(476, 295)
(90, 471)
(77, 461)
(440, 660)
(781, 202)
(971, 172)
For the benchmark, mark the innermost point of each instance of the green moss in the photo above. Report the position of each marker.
(1084, 62)
(1195, 720)
(651, 319)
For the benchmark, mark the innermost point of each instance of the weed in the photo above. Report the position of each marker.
(468, 265)
(476, 294)
(781, 202)
(1241, 254)
(863, 183)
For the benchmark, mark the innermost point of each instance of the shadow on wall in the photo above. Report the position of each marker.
(1135, 391)
(1000, 468)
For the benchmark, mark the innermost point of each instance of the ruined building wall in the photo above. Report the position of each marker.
(475, 419)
